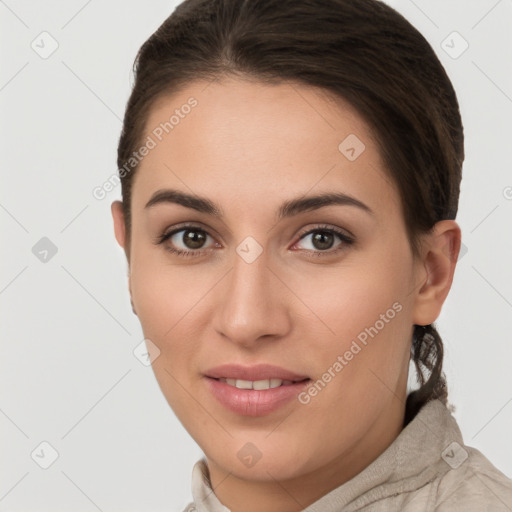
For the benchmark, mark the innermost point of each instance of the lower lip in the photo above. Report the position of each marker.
(253, 402)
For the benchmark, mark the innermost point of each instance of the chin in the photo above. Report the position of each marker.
(261, 460)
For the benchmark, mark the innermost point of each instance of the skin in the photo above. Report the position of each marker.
(249, 147)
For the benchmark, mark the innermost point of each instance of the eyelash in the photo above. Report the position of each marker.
(345, 239)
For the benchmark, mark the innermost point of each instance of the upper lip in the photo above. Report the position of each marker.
(253, 373)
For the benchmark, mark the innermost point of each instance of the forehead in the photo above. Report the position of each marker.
(259, 141)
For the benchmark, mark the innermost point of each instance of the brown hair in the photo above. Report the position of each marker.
(362, 51)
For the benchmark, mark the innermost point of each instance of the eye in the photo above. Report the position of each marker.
(190, 241)
(185, 241)
(321, 239)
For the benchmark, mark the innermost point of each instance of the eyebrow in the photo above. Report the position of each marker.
(287, 209)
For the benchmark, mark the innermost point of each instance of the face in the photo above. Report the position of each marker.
(258, 273)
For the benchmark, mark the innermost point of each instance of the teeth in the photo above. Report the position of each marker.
(257, 384)
(243, 384)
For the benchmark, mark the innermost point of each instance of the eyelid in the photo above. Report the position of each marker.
(183, 226)
(327, 227)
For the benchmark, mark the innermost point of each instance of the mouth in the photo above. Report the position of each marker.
(260, 385)
(255, 398)
(254, 390)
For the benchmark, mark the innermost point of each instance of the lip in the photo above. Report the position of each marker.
(253, 402)
(256, 372)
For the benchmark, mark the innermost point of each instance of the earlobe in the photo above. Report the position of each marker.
(439, 261)
(119, 226)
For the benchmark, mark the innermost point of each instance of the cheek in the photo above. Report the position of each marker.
(345, 300)
(168, 301)
(161, 305)
(363, 314)
(164, 294)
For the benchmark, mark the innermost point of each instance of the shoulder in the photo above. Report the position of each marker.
(472, 484)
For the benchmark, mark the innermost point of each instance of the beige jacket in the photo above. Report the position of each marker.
(426, 468)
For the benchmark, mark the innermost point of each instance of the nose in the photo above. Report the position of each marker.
(252, 303)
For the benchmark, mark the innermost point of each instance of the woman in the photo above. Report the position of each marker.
(290, 178)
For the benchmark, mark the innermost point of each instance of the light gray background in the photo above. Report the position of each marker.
(68, 374)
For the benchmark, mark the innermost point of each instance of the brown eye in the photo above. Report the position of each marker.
(185, 241)
(193, 239)
(322, 239)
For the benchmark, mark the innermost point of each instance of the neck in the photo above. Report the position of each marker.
(295, 494)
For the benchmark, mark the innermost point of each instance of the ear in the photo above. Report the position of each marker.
(120, 233)
(119, 227)
(439, 258)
